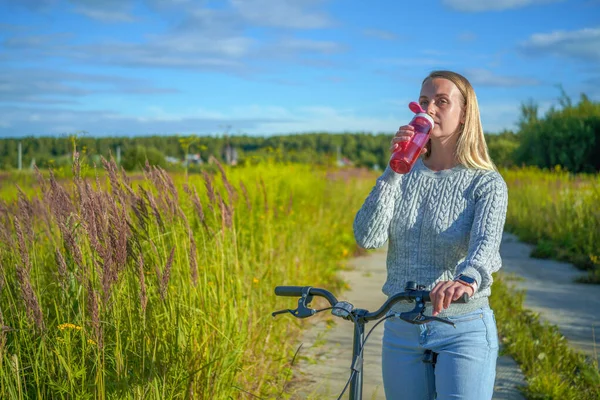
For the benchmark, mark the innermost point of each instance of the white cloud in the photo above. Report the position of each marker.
(484, 77)
(230, 47)
(35, 5)
(58, 121)
(206, 39)
(44, 86)
(105, 15)
(467, 36)
(380, 34)
(253, 119)
(27, 42)
(327, 119)
(411, 62)
(497, 116)
(582, 44)
(493, 5)
(304, 45)
(334, 79)
(295, 14)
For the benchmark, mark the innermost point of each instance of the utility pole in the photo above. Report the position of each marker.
(20, 156)
(118, 155)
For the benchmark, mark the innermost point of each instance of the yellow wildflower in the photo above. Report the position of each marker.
(62, 327)
(90, 341)
(255, 280)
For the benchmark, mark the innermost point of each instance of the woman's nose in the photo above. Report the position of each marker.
(430, 109)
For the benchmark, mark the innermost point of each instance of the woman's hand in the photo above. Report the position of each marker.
(404, 134)
(445, 292)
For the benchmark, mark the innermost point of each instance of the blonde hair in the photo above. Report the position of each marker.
(471, 148)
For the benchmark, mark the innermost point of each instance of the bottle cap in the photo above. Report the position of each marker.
(417, 109)
(427, 117)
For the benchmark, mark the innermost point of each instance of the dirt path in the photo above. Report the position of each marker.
(324, 364)
(552, 292)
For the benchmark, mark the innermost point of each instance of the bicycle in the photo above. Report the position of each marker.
(345, 310)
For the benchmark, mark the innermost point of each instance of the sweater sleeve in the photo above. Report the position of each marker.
(373, 219)
(483, 257)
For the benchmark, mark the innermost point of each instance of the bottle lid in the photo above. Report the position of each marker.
(427, 117)
(417, 109)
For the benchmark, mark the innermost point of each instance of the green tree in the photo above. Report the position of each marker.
(134, 158)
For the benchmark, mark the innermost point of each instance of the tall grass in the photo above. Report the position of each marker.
(162, 287)
(559, 212)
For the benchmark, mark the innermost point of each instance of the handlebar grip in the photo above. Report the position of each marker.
(290, 291)
(462, 299)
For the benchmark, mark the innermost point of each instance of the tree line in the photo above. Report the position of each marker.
(568, 136)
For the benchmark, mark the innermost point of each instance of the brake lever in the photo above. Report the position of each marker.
(303, 310)
(276, 313)
(416, 317)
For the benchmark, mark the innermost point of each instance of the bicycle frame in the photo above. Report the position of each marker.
(356, 384)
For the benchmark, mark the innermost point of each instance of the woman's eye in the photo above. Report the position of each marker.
(423, 102)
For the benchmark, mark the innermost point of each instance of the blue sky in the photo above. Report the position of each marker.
(263, 67)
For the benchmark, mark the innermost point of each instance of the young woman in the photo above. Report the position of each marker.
(443, 222)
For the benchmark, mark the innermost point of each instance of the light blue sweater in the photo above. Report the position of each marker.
(437, 225)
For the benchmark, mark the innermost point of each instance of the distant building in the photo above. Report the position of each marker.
(194, 159)
(344, 162)
(191, 159)
(341, 160)
(172, 160)
(230, 154)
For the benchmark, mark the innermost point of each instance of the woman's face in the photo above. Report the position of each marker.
(441, 99)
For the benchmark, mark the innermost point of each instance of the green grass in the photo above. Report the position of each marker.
(206, 331)
(160, 301)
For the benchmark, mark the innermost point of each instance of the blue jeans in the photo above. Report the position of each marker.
(466, 362)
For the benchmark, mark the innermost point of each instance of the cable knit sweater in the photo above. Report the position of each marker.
(438, 225)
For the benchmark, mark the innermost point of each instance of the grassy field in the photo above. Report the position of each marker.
(559, 213)
(160, 287)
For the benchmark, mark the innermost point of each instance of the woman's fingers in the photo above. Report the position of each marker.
(437, 295)
(444, 293)
(403, 135)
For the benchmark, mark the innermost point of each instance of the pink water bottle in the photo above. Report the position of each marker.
(406, 153)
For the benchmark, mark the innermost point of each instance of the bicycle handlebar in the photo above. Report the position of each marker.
(413, 293)
(409, 296)
(297, 291)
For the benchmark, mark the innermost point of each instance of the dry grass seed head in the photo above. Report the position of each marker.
(212, 199)
(193, 260)
(143, 295)
(22, 245)
(62, 268)
(164, 282)
(29, 298)
(246, 196)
